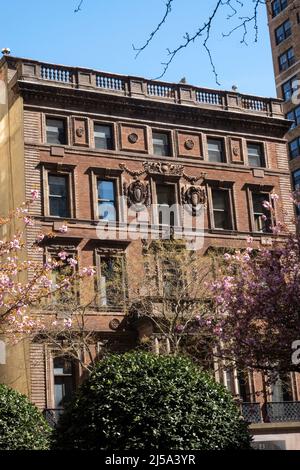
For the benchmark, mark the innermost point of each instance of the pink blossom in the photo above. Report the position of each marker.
(88, 271)
(40, 238)
(68, 323)
(63, 229)
(34, 194)
(72, 262)
(267, 205)
(62, 255)
(28, 221)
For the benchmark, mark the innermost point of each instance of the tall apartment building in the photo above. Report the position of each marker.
(85, 138)
(284, 27)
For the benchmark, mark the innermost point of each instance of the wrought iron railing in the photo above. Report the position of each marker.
(281, 411)
(52, 416)
(251, 412)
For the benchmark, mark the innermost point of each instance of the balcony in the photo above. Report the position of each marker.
(136, 87)
(52, 415)
(273, 412)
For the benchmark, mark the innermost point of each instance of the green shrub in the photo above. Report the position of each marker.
(22, 426)
(142, 401)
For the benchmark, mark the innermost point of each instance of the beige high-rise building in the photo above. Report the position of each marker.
(284, 26)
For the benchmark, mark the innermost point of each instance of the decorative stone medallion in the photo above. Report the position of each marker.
(133, 138)
(114, 324)
(79, 131)
(189, 144)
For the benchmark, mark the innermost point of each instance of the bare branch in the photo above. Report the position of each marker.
(160, 24)
(78, 8)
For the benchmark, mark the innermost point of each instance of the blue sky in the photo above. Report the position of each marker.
(101, 37)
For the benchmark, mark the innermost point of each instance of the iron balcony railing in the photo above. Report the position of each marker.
(52, 416)
(281, 411)
(251, 412)
(271, 412)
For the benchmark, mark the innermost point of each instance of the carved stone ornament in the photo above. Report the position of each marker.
(189, 144)
(194, 196)
(236, 151)
(79, 131)
(133, 138)
(114, 324)
(138, 195)
(163, 168)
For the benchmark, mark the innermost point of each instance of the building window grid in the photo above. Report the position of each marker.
(262, 219)
(56, 130)
(283, 32)
(287, 59)
(294, 115)
(106, 199)
(103, 136)
(256, 157)
(294, 148)
(161, 143)
(278, 6)
(222, 210)
(59, 192)
(289, 87)
(216, 150)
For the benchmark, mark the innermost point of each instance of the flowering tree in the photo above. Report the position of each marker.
(25, 283)
(257, 303)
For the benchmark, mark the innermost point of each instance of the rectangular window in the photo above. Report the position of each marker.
(64, 381)
(255, 155)
(166, 198)
(112, 281)
(58, 195)
(278, 6)
(261, 215)
(221, 209)
(215, 150)
(286, 60)
(294, 115)
(283, 32)
(296, 179)
(289, 87)
(294, 147)
(56, 131)
(103, 137)
(161, 144)
(107, 209)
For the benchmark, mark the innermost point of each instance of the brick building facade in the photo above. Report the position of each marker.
(87, 140)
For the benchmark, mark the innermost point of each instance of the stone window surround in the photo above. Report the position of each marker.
(59, 170)
(225, 186)
(263, 189)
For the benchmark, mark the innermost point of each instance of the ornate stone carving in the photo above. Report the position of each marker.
(194, 197)
(163, 168)
(189, 144)
(133, 138)
(80, 131)
(114, 324)
(138, 195)
(236, 151)
(194, 179)
(135, 174)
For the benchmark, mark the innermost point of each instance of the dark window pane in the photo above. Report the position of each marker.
(165, 199)
(296, 179)
(107, 200)
(56, 132)
(215, 150)
(161, 144)
(103, 137)
(58, 196)
(112, 286)
(255, 155)
(221, 209)
(294, 147)
(262, 216)
(64, 381)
